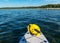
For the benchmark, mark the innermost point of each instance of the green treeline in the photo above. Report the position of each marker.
(33, 7)
(51, 6)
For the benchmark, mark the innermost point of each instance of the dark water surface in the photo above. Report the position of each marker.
(13, 24)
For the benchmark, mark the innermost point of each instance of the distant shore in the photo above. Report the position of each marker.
(29, 8)
(52, 8)
(49, 6)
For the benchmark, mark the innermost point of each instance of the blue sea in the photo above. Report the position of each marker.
(14, 22)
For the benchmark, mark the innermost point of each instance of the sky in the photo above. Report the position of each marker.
(20, 3)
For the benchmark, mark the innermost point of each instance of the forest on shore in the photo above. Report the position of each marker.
(27, 7)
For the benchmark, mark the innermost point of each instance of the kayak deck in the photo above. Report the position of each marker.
(28, 38)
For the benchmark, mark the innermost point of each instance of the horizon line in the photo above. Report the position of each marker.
(25, 6)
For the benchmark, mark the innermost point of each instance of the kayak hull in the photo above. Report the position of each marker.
(28, 38)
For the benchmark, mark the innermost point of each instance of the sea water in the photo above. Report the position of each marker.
(14, 22)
